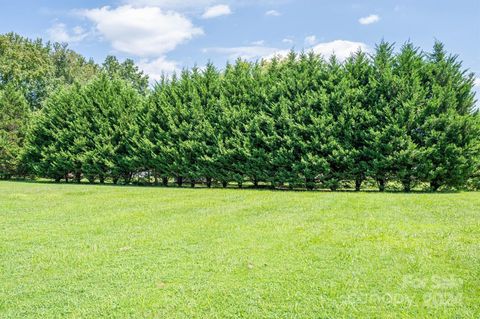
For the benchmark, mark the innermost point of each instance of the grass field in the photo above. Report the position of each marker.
(81, 251)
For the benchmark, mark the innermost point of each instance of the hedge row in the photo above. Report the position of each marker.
(299, 121)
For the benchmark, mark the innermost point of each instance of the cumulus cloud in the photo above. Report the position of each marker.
(273, 13)
(310, 40)
(217, 11)
(172, 4)
(144, 32)
(60, 33)
(199, 4)
(341, 48)
(288, 40)
(373, 18)
(157, 67)
(244, 52)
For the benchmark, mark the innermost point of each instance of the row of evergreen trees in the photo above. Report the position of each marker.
(298, 121)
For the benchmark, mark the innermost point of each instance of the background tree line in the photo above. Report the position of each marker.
(300, 121)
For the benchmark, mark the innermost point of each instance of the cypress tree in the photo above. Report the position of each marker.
(52, 142)
(409, 102)
(358, 118)
(383, 93)
(158, 139)
(237, 86)
(209, 91)
(449, 131)
(337, 155)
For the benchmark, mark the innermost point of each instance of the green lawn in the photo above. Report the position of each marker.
(81, 251)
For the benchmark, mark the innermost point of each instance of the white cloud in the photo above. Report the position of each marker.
(277, 54)
(373, 18)
(288, 40)
(273, 13)
(158, 67)
(146, 32)
(78, 30)
(310, 40)
(341, 48)
(216, 11)
(244, 52)
(199, 4)
(259, 42)
(172, 4)
(476, 82)
(60, 33)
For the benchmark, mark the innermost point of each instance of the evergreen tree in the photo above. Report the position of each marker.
(311, 126)
(337, 155)
(209, 91)
(279, 107)
(259, 128)
(159, 144)
(358, 118)
(409, 102)
(50, 142)
(237, 86)
(113, 110)
(383, 95)
(449, 131)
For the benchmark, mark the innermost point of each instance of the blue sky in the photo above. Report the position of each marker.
(166, 35)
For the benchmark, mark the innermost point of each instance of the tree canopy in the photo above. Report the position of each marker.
(391, 117)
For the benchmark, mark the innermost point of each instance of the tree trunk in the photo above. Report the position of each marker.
(224, 184)
(240, 184)
(192, 183)
(179, 181)
(255, 182)
(309, 183)
(57, 179)
(358, 184)
(209, 182)
(164, 181)
(102, 179)
(155, 178)
(381, 184)
(78, 177)
(115, 180)
(434, 185)
(406, 184)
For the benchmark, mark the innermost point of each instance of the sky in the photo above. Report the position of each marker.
(163, 36)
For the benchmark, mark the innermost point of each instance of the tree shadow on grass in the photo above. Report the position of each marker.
(261, 188)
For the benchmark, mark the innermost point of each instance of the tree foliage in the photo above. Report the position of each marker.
(402, 118)
(14, 115)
